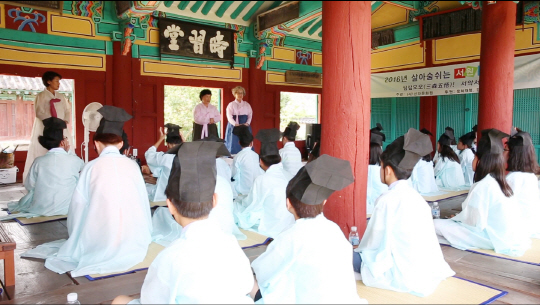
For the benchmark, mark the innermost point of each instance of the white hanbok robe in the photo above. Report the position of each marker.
(202, 115)
(50, 183)
(527, 195)
(264, 210)
(43, 111)
(466, 158)
(109, 222)
(399, 249)
(224, 170)
(488, 220)
(310, 263)
(246, 168)
(438, 156)
(449, 175)
(291, 158)
(423, 178)
(189, 271)
(160, 165)
(167, 230)
(374, 187)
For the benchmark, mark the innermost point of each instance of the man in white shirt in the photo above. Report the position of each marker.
(310, 263)
(399, 250)
(290, 155)
(109, 205)
(246, 166)
(52, 178)
(160, 163)
(188, 271)
(264, 209)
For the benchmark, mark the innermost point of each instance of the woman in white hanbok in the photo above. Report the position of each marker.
(448, 172)
(522, 168)
(48, 103)
(466, 155)
(374, 187)
(450, 132)
(399, 250)
(160, 163)
(291, 158)
(423, 175)
(490, 217)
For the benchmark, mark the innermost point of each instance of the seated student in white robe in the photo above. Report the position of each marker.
(245, 168)
(466, 155)
(399, 250)
(189, 270)
(223, 213)
(310, 263)
(490, 217)
(448, 172)
(374, 185)
(109, 220)
(52, 178)
(167, 230)
(291, 158)
(522, 166)
(453, 145)
(223, 169)
(423, 175)
(160, 163)
(264, 210)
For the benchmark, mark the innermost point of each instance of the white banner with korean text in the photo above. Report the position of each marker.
(448, 80)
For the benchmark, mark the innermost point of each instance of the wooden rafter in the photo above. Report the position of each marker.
(224, 6)
(195, 7)
(239, 9)
(252, 10)
(207, 7)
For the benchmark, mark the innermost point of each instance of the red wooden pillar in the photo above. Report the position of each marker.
(428, 116)
(496, 98)
(346, 104)
(122, 85)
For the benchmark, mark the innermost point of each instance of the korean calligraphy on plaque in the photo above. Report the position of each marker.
(196, 40)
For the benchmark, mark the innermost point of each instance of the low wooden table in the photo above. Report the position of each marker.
(7, 248)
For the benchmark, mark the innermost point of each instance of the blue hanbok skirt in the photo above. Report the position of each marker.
(231, 141)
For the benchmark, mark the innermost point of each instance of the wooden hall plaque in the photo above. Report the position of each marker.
(301, 77)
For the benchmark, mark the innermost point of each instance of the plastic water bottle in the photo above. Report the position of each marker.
(72, 298)
(436, 211)
(354, 239)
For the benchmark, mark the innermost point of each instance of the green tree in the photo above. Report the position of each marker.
(180, 102)
(298, 107)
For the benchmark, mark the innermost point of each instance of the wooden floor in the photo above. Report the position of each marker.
(36, 284)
